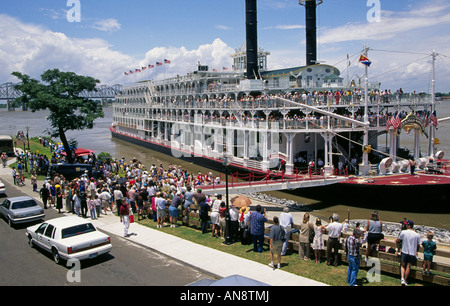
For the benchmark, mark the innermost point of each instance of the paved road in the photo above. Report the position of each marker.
(127, 264)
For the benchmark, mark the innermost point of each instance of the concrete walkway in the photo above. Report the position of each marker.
(218, 263)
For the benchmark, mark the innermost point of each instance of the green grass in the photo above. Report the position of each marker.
(35, 147)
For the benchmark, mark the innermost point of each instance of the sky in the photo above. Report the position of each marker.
(105, 38)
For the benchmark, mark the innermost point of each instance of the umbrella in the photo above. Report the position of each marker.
(240, 201)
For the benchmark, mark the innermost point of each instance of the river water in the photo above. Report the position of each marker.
(99, 139)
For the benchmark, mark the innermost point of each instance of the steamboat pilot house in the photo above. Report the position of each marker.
(286, 114)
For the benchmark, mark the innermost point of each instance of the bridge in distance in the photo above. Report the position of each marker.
(8, 93)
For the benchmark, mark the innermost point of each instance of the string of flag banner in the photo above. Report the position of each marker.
(151, 66)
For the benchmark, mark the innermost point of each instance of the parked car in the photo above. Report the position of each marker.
(21, 210)
(69, 238)
(2, 188)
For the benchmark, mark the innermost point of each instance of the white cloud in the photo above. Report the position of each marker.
(107, 25)
(216, 55)
(392, 25)
(286, 27)
(223, 27)
(32, 49)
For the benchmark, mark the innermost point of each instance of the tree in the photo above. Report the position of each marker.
(59, 93)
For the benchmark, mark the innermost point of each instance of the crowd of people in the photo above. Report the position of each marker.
(148, 193)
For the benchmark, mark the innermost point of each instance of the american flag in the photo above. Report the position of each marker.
(143, 68)
(434, 119)
(426, 119)
(151, 66)
(166, 61)
(126, 73)
(158, 64)
(389, 123)
(397, 121)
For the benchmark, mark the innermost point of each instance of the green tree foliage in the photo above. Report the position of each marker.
(59, 93)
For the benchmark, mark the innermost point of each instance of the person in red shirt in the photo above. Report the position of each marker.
(222, 223)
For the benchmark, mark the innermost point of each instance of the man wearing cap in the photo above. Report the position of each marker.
(410, 243)
(352, 246)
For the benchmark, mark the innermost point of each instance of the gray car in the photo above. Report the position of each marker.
(21, 210)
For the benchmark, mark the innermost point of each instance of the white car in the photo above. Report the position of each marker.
(2, 188)
(69, 238)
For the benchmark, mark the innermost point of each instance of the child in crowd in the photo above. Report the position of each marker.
(91, 206)
(429, 249)
(318, 244)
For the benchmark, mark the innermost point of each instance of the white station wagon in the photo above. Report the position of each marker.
(69, 238)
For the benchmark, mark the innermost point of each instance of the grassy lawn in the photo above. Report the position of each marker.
(35, 147)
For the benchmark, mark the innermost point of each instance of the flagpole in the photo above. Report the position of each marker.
(433, 106)
(366, 111)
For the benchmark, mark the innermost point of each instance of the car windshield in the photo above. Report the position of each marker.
(24, 204)
(77, 230)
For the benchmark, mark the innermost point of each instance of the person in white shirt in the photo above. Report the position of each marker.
(105, 198)
(334, 230)
(215, 216)
(410, 243)
(287, 222)
(234, 223)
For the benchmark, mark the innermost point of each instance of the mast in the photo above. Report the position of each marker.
(365, 161)
(433, 105)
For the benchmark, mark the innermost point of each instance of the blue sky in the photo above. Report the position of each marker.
(116, 36)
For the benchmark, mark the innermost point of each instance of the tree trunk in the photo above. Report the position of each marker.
(62, 136)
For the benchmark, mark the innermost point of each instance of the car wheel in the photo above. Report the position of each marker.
(56, 256)
(30, 241)
(10, 223)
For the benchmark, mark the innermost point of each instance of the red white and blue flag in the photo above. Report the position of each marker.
(365, 61)
(426, 120)
(397, 121)
(434, 119)
(151, 66)
(158, 64)
(166, 61)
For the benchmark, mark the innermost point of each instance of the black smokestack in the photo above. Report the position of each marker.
(252, 38)
(311, 32)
